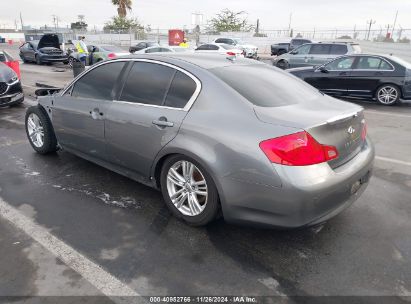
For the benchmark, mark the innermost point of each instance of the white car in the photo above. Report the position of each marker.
(251, 51)
(162, 49)
(223, 49)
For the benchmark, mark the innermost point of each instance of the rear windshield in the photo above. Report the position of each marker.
(266, 86)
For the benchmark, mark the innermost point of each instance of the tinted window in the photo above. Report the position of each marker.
(303, 50)
(224, 40)
(98, 83)
(213, 47)
(181, 90)
(153, 50)
(2, 58)
(320, 49)
(372, 63)
(266, 86)
(340, 64)
(338, 49)
(165, 50)
(203, 47)
(147, 83)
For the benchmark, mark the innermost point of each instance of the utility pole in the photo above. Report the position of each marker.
(370, 24)
(395, 23)
(21, 21)
(289, 24)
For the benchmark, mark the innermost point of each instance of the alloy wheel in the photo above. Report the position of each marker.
(187, 188)
(387, 95)
(35, 130)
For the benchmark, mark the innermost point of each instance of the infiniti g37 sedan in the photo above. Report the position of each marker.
(385, 78)
(237, 138)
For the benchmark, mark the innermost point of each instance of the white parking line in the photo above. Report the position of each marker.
(388, 114)
(395, 161)
(95, 274)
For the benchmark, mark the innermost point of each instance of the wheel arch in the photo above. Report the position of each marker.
(388, 84)
(164, 155)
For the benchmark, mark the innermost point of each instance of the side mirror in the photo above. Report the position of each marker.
(323, 69)
(294, 52)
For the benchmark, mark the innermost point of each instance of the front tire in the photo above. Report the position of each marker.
(283, 64)
(40, 131)
(189, 191)
(388, 94)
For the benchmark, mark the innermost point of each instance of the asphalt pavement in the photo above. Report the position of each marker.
(71, 228)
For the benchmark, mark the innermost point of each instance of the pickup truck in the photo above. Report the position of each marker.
(285, 47)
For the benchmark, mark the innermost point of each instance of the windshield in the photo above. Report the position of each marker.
(112, 48)
(266, 86)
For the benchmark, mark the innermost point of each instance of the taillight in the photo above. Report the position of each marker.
(231, 54)
(298, 149)
(111, 56)
(364, 130)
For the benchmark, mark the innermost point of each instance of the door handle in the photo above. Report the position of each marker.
(96, 114)
(163, 123)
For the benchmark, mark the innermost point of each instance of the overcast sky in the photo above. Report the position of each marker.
(273, 14)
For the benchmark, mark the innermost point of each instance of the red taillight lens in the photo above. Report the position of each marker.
(111, 56)
(364, 131)
(231, 54)
(299, 149)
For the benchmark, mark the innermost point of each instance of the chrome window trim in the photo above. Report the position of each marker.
(186, 108)
(354, 56)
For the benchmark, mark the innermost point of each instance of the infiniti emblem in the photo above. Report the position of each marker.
(351, 130)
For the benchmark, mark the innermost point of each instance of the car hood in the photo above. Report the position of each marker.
(49, 40)
(6, 73)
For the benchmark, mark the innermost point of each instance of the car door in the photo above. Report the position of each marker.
(148, 115)
(298, 57)
(333, 77)
(319, 54)
(29, 52)
(79, 114)
(367, 74)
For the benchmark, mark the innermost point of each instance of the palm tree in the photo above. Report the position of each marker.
(123, 6)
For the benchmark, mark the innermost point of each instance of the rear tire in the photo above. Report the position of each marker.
(197, 186)
(39, 131)
(388, 94)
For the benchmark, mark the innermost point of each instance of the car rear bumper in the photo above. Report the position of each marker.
(308, 195)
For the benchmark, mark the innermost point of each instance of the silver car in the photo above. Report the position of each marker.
(238, 138)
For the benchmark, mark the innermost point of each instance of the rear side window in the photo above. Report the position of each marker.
(203, 47)
(320, 49)
(181, 90)
(338, 49)
(147, 83)
(153, 50)
(98, 83)
(213, 47)
(266, 86)
(372, 63)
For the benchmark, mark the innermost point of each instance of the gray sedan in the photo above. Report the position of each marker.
(241, 139)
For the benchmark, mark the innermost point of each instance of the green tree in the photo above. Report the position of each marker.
(122, 23)
(230, 21)
(122, 7)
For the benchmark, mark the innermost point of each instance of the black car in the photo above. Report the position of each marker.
(142, 45)
(385, 78)
(46, 50)
(11, 92)
(285, 47)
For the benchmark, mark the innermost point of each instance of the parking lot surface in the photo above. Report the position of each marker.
(68, 225)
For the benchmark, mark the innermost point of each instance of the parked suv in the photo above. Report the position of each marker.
(315, 54)
(285, 47)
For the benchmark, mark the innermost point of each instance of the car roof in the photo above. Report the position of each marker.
(205, 61)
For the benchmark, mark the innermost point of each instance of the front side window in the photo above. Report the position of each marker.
(99, 82)
(320, 49)
(147, 83)
(340, 64)
(303, 50)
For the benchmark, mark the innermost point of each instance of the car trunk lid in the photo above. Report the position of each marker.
(333, 124)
